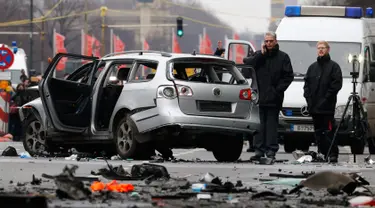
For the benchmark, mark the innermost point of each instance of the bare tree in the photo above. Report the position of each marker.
(69, 25)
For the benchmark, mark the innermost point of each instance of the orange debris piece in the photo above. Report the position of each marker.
(112, 186)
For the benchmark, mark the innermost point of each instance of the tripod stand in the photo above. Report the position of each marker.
(359, 120)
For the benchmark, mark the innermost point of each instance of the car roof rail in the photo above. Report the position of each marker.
(140, 52)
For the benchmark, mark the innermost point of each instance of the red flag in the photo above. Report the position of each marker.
(60, 48)
(118, 45)
(146, 47)
(176, 46)
(92, 45)
(208, 45)
(240, 52)
(201, 45)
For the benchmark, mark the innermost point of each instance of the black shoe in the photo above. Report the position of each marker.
(255, 158)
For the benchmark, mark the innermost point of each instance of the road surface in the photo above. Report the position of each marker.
(15, 169)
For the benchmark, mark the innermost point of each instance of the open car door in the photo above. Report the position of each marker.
(235, 51)
(67, 100)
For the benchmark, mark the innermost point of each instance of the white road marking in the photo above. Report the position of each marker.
(189, 152)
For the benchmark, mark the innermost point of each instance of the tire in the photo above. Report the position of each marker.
(228, 150)
(303, 145)
(357, 147)
(125, 138)
(289, 145)
(33, 138)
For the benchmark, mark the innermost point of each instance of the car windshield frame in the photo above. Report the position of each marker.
(301, 60)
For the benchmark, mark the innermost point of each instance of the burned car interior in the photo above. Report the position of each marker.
(110, 92)
(206, 72)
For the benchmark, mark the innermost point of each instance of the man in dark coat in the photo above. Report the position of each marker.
(274, 73)
(219, 50)
(323, 81)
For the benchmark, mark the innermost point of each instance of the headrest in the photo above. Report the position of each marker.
(122, 74)
(150, 76)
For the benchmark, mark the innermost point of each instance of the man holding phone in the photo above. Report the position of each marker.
(274, 73)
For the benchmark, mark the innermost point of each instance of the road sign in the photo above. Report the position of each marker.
(6, 58)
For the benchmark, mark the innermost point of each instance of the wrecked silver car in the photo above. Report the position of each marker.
(134, 101)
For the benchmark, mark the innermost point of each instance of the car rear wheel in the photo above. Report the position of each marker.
(229, 149)
(33, 138)
(126, 142)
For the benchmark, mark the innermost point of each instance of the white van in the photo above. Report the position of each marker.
(348, 32)
(19, 63)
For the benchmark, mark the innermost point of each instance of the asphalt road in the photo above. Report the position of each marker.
(15, 169)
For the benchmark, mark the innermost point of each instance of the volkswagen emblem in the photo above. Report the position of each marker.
(305, 111)
(216, 91)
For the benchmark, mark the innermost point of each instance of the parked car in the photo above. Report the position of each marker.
(137, 100)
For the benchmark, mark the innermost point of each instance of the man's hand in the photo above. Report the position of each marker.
(263, 48)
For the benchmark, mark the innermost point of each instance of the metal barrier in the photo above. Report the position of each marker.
(4, 112)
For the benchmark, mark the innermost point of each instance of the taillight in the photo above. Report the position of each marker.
(167, 92)
(184, 90)
(364, 99)
(245, 94)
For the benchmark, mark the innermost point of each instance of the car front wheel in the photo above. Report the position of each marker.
(33, 138)
(228, 150)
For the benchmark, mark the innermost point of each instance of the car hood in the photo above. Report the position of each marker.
(294, 94)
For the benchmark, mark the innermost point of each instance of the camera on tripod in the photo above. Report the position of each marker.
(357, 121)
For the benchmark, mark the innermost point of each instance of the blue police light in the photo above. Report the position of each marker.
(14, 46)
(292, 11)
(369, 12)
(355, 12)
(289, 113)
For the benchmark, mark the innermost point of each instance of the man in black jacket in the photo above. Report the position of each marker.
(323, 81)
(274, 73)
(219, 50)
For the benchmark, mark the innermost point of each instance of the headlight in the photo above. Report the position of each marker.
(340, 110)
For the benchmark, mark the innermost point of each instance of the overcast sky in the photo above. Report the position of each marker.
(244, 14)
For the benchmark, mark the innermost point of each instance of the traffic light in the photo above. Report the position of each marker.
(180, 29)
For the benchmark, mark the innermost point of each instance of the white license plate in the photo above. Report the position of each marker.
(302, 128)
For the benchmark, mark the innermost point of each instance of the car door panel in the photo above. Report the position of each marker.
(67, 102)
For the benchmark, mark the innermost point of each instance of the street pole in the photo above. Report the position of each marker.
(31, 34)
(86, 28)
(42, 37)
(102, 14)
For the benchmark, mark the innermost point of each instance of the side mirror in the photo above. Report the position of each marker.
(49, 60)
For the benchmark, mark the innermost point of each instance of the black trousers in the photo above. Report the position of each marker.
(324, 126)
(266, 141)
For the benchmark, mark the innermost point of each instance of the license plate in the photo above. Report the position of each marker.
(302, 128)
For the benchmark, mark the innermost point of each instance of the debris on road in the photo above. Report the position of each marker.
(112, 186)
(362, 201)
(302, 175)
(331, 181)
(368, 160)
(310, 156)
(268, 195)
(68, 186)
(18, 200)
(10, 152)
